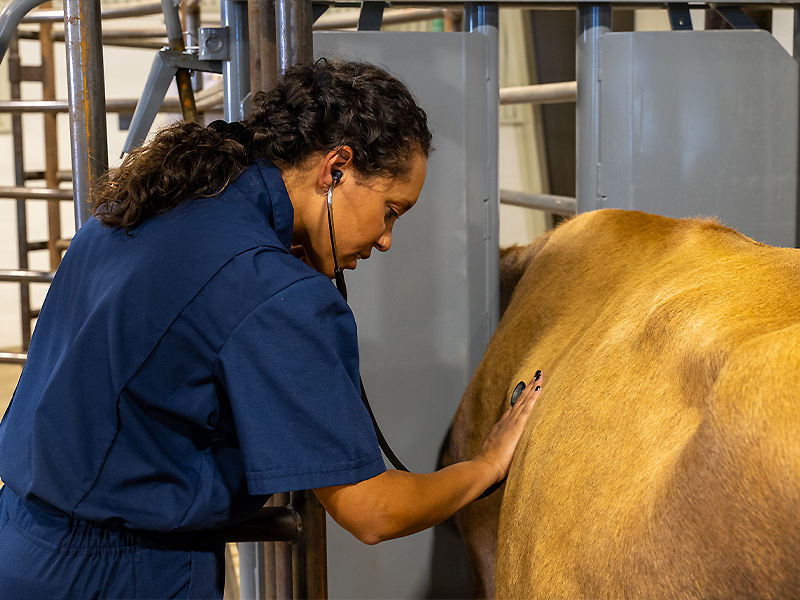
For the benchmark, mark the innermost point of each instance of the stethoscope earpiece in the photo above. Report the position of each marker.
(336, 175)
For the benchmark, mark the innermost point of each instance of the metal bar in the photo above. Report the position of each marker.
(371, 16)
(270, 583)
(390, 17)
(39, 175)
(484, 19)
(560, 205)
(110, 34)
(32, 193)
(736, 17)
(680, 18)
(10, 18)
(247, 570)
(114, 105)
(263, 49)
(123, 11)
(543, 93)
(183, 78)
(309, 558)
(293, 24)
(236, 70)
(50, 142)
(13, 358)
(283, 558)
(593, 23)
(25, 276)
(123, 42)
(19, 179)
(277, 524)
(61, 244)
(86, 87)
(193, 32)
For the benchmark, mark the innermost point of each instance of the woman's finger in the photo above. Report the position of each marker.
(523, 392)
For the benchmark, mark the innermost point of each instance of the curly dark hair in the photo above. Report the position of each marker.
(312, 109)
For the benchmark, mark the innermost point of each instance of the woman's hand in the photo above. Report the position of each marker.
(498, 449)
(395, 503)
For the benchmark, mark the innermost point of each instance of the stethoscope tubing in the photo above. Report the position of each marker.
(340, 285)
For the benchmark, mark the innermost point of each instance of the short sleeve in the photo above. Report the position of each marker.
(290, 371)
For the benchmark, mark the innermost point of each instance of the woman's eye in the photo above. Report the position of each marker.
(393, 214)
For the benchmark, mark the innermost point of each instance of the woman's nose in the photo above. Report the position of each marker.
(385, 241)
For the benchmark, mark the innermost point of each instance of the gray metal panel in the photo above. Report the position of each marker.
(701, 122)
(421, 308)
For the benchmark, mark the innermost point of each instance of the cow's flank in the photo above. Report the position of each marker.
(663, 456)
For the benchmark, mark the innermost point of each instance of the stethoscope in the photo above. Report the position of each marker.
(342, 287)
(338, 274)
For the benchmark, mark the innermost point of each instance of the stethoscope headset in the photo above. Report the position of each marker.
(338, 274)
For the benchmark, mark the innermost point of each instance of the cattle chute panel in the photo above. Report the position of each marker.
(700, 123)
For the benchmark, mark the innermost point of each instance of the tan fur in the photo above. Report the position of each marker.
(662, 459)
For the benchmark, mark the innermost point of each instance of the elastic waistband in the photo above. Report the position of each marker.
(52, 529)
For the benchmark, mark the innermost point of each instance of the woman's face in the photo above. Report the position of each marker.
(364, 213)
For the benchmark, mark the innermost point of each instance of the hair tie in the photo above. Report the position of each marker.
(233, 131)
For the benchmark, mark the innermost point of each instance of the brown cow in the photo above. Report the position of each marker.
(662, 459)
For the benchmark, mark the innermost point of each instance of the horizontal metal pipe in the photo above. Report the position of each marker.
(390, 17)
(542, 93)
(134, 43)
(61, 244)
(123, 105)
(560, 205)
(112, 34)
(32, 193)
(13, 358)
(15, 275)
(39, 175)
(138, 9)
(272, 524)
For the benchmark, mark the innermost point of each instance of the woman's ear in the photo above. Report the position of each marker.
(340, 159)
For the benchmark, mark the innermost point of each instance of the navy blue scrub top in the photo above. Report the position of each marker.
(180, 373)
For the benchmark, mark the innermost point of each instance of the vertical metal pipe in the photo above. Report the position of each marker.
(14, 74)
(50, 141)
(295, 43)
(484, 19)
(87, 101)
(796, 54)
(183, 78)
(247, 570)
(192, 16)
(309, 553)
(283, 560)
(263, 50)
(593, 22)
(269, 547)
(269, 571)
(236, 70)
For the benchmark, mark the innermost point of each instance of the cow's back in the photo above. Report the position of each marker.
(663, 457)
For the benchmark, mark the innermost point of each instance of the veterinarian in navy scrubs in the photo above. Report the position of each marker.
(192, 356)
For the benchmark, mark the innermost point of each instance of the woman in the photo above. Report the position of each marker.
(186, 364)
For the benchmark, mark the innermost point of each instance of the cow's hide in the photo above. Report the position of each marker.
(662, 459)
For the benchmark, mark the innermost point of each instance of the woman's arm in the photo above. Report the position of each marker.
(395, 503)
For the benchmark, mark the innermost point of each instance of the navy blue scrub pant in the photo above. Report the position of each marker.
(45, 554)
